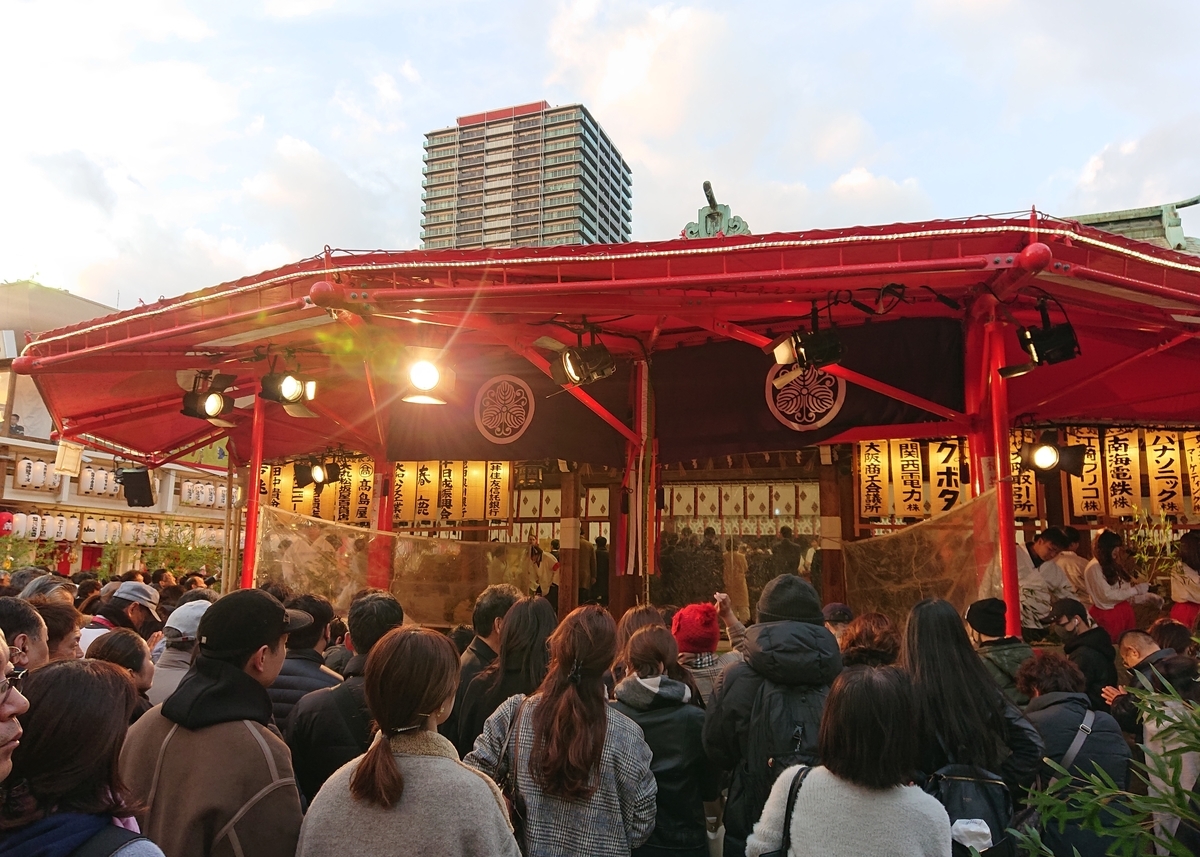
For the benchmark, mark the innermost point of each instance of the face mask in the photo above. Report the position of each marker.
(1061, 633)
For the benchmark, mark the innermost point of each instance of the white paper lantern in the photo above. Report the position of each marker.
(222, 496)
(35, 526)
(210, 494)
(128, 533)
(150, 533)
(88, 534)
(53, 479)
(20, 525)
(87, 480)
(40, 470)
(73, 525)
(187, 492)
(114, 487)
(24, 474)
(60, 528)
(112, 535)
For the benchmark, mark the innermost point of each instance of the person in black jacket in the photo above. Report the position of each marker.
(1057, 709)
(304, 668)
(520, 667)
(1087, 645)
(1141, 656)
(329, 727)
(963, 717)
(689, 786)
(488, 618)
(792, 658)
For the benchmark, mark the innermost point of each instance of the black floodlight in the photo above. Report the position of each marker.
(1047, 457)
(1047, 345)
(207, 399)
(801, 350)
(582, 364)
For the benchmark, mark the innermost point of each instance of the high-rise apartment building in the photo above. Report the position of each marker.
(525, 176)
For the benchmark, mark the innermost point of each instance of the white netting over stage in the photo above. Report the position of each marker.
(436, 580)
(953, 556)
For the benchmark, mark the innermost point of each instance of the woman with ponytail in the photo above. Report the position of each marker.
(582, 769)
(410, 794)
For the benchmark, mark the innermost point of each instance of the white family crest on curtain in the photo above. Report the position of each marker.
(504, 408)
(809, 401)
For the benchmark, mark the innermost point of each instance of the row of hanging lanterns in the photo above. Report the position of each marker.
(93, 530)
(35, 473)
(206, 494)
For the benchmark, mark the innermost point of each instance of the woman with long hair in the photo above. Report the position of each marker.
(963, 718)
(519, 667)
(860, 799)
(689, 786)
(128, 650)
(1111, 587)
(64, 789)
(582, 769)
(409, 794)
(632, 620)
(1185, 581)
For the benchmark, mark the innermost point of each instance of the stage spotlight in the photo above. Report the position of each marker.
(582, 364)
(1047, 345)
(207, 399)
(302, 474)
(428, 380)
(318, 473)
(1047, 457)
(333, 473)
(801, 350)
(288, 388)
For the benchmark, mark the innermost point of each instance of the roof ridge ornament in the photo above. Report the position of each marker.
(714, 221)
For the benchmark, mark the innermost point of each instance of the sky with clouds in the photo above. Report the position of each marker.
(152, 147)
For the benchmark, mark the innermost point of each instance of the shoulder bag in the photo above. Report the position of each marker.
(506, 776)
(786, 845)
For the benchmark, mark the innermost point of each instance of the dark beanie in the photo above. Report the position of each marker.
(987, 617)
(790, 598)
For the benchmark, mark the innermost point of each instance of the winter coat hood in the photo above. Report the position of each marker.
(217, 692)
(1046, 700)
(1096, 639)
(644, 694)
(793, 653)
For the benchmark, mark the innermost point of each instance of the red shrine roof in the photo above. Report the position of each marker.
(1135, 307)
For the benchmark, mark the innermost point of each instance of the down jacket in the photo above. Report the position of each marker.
(303, 672)
(320, 736)
(794, 655)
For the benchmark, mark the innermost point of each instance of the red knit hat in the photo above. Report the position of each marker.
(695, 628)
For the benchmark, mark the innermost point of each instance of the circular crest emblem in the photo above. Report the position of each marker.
(808, 401)
(503, 408)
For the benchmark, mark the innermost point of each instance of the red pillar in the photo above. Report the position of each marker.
(257, 432)
(1004, 497)
(379, 562)
(977, 366)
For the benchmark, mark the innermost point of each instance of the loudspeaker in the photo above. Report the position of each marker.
(139, 487)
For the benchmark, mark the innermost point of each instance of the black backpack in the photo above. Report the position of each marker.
(968, 791)
(107, 842)
(784, 722)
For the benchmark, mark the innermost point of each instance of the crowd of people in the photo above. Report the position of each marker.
(138, 721)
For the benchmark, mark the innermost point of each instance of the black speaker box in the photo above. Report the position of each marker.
(138, 486)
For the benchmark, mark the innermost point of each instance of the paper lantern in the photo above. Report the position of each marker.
(114, 531)
(87, 480)
(59, 529)
(128, 533)
(222, 496)
(187, 493)
(24, 474)
(150, 533)
(20, 525)
(210, 494)
(88, 534)
(35, 526)
(53, 479)
(73, 525)
(40, 470)
(101, 483)
(114, 487)
(6, 523)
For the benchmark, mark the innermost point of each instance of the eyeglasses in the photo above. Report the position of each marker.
(8, 684)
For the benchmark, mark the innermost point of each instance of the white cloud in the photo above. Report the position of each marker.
(77, 176)
(296, 8)
(1161, 166)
